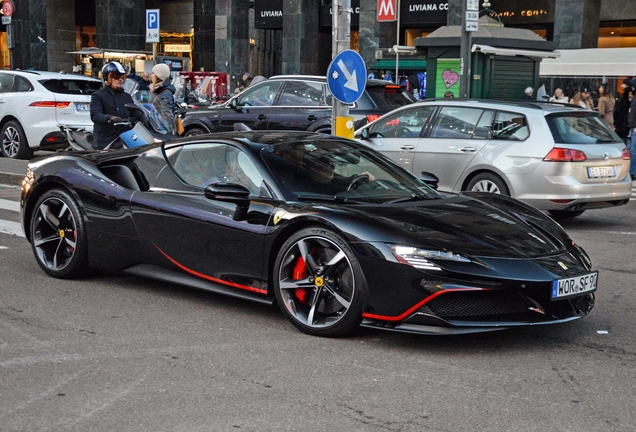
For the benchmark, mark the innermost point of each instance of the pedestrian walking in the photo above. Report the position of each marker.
(527, 94)
(559, 96)
(621, 111)
(631, 122)
(606, 103)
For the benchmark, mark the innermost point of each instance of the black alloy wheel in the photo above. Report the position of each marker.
(195, 132)
(58, 235)
(318, 283)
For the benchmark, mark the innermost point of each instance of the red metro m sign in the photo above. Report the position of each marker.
(387, 10)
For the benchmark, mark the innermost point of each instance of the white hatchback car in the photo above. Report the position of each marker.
(33, 104)
(557, 157)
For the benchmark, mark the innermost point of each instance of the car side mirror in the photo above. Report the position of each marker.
(364, 133)
(430, 179)
(232, 193)
(233, 103)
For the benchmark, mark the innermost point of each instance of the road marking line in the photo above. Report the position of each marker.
(12, 228)
(3, 247)
(9, 205)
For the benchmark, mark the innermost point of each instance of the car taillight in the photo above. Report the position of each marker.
(371, 117)
(391, 89)
(558, 154)
(50, 104)
(625, 154)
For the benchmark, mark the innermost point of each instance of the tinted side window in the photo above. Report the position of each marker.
(456, 122)
(510, 126)
(204, 164)
(404, 124)
(71, 86)
(6, 83)
(299, 93)
(260, 95)
(23, 85)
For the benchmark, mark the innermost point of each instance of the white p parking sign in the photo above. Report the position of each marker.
(152, 25)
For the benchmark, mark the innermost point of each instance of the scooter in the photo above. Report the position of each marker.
(158, 125)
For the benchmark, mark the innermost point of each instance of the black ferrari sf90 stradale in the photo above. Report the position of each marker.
(335, 233)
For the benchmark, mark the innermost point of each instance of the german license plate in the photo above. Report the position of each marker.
(568, 287)
(601, 172)
(82, 106)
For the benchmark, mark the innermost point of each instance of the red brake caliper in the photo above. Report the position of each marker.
(300, 272)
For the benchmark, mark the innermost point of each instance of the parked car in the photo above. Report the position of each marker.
(292, 102)
(557, 157)
(33, 104)
(334, 232)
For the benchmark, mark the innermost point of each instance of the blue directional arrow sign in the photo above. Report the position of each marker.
(347, 76)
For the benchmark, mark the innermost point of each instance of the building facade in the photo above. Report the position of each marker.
(268, 37)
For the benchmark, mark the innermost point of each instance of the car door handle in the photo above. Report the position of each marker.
(312, 118)
(407, 147)
(468, 149)
(261, 117)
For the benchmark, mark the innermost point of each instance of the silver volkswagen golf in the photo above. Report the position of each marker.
(556, 157)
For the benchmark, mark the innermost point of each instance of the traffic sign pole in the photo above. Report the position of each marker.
(342, 124)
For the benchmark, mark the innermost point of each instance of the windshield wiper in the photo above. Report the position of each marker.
(604, 140)
(306, 196)
(413, 197)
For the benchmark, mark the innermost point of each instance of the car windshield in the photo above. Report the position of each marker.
(71, 86)
(580, 128)
(327, 167)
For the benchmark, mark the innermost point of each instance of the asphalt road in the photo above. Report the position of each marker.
(120, 353)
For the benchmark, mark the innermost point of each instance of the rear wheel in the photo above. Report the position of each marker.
(14, 142)
(58, 235)
(318, 283)
(488, 182)
(564, 214)
(195, 131)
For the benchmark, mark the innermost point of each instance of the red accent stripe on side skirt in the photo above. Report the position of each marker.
(211, 278)
(417, 306)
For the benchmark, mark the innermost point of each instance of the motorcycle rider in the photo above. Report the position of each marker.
(108, 106)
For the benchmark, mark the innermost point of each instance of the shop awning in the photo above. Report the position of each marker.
(593, 62)
(405, 64)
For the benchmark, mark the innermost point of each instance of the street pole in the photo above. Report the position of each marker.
(465, 54)
(397, 41)
(341, 16)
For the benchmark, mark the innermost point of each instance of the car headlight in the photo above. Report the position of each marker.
(424, 258)
(28, 180)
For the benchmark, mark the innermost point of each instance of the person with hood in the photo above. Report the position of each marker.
(162, 84)
(108, 106)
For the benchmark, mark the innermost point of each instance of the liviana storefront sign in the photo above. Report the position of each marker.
(177, 48)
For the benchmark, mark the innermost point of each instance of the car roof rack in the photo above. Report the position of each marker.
(519, 103)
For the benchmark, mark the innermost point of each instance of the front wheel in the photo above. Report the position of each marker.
(488, 182)
(195, 132)
(14, 142)
(318, 283)
(58, 235)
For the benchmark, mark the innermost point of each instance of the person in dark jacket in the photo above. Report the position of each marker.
(108, 106)
(162, 84)
(631, 122)
(621, 111)
(144, 82)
